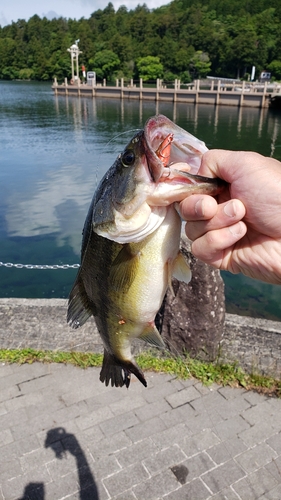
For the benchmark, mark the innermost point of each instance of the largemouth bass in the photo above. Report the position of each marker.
(130, 246)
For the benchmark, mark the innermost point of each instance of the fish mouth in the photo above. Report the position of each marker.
(198, 183)
(184, 148)
(174, 156)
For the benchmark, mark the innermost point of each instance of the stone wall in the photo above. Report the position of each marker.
(254, 343)
(41, 324)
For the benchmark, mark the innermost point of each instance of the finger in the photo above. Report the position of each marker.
(198, 207)
(219, 163)
(215, 247)
(226, 215)
(232, 165)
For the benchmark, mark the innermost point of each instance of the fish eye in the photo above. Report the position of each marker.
(128, 158)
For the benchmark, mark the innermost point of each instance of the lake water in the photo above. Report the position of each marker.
(54, 150)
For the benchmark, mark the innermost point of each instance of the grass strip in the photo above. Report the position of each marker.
(181, 367)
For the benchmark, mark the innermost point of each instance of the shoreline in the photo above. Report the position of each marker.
(254, 343)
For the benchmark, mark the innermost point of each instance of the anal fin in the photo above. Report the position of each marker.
(151, 335)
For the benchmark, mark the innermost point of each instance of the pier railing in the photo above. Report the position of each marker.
(216, 92)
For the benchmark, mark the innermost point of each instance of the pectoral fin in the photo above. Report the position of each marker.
(124, 269)
(152, 336)
(180, 269)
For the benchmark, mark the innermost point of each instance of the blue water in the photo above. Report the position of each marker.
(54, 150)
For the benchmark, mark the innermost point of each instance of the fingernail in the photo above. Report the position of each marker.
(237, 229)
(198, 208)
(230, 209)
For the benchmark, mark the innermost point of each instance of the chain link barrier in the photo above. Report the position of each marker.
(39, 266)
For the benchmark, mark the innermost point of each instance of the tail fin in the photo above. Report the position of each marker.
(119, 373)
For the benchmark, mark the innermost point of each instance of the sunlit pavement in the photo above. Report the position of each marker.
(63, 434)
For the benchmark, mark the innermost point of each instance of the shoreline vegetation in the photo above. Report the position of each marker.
(181, 367)
(180, 40)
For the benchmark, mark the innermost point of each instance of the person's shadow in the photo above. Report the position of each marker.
(33, 491)
(88, 488)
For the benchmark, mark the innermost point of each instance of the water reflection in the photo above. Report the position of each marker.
(36, 209)
(54, 150)
(57, 204)
(274, 137)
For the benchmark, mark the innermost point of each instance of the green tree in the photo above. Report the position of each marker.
(8, 49)
(105, 63)
(149, 68)
(25, 74)
(234, 35)
(200, 64)
(275, 68)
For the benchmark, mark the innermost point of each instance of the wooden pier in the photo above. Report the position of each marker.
(199, 92)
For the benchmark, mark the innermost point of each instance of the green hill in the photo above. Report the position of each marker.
(190, 38)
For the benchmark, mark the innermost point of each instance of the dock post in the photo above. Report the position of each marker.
(157, 90)
(55, 86)
(196, 88)
(122, 88)
(218, 92)
(66, 86)
(241, 103)
(175, 92)
(141, 89)
(93, 87)
(264, 95)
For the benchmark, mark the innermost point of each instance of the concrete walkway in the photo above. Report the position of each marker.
(63, 434)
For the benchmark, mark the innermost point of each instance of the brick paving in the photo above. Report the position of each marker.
(63, 434)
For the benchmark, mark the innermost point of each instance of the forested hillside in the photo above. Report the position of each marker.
(186, 39)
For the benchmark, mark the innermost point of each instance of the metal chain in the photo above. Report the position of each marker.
(40, 266)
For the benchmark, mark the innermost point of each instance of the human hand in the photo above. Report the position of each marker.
(240, 230)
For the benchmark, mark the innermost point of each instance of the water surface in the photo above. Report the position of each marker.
(55, 149)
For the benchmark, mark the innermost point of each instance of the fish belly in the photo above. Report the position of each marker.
(156, 254)
(131, 312)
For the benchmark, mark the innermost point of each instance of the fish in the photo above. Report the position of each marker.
(131, 239)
